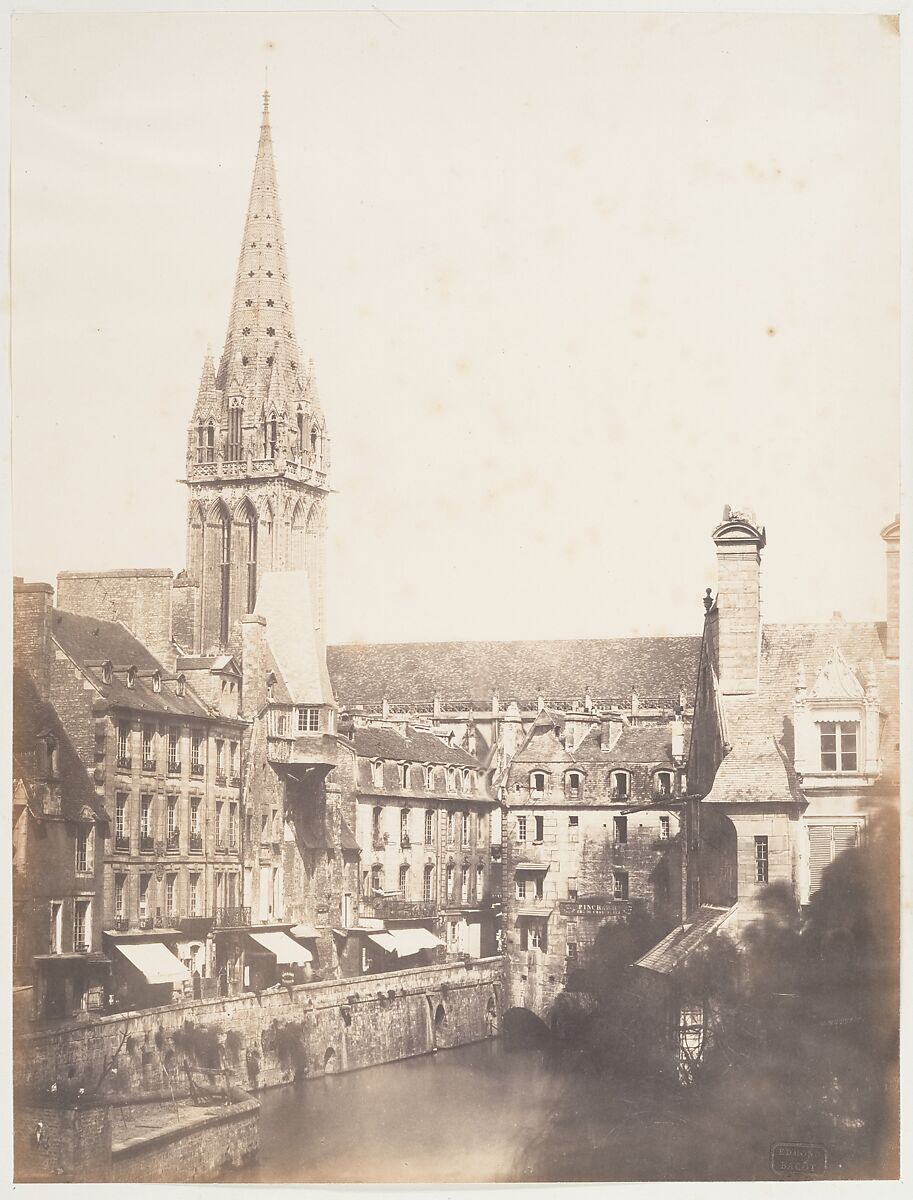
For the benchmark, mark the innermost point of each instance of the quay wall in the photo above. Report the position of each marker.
(271, 1038)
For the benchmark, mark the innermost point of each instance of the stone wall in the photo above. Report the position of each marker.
(272, 1038)
(140, 598)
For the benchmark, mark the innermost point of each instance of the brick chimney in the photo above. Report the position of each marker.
(739, 541)
(32, 604)
(891, 535)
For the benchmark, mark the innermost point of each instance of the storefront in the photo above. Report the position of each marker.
(148, 974)
(67, 985)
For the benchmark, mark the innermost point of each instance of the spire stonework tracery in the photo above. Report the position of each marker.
(257, 440)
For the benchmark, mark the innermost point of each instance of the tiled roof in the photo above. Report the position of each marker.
(416, 671)
(91, 642)
(32, 717)
(416, 747)
(760, 727)
(675, 947)
(636, 744)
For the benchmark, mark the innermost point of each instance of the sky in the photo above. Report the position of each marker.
(571, 282)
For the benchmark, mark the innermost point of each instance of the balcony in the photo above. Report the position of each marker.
(146, 844)
(236, 781)
(124, 762)
(145, 922)
(196, 770)
(121, 844)
(174, 768)
(173, 843)
(379, 841)
(195, 843)
(81, 948)
(149, 764)
(221, 848)
(395, 908)
(405, 841)
(121, 924)
(221, 779)
(231, 918)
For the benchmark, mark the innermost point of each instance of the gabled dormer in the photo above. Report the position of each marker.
(837, 726)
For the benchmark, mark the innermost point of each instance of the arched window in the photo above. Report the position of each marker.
(428, 883)
(131, 677)
(403, 880)
(405, 775)
(156, 681)
(537, 783)
(480, 881)
(451, 779)
(429, 778)
(181, 685)
(251, 560)
(107, 672)
(429, 826)
(211, 442)
(377, 878)
(621, 785)
(573, 785)
(300, 420)
(404, 827)
(377, 773)
(233, 447)
(201, 442)
(296, 538)
(270, 436)
(464, 883)
(225, 580)
(451, 879)
(314, 441)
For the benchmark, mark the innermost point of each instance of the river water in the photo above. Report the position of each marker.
(484, 1114)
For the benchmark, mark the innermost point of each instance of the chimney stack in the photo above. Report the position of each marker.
(32, 632)
(739, 541)
(891, 536)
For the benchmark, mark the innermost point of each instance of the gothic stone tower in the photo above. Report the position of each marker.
(257, 446)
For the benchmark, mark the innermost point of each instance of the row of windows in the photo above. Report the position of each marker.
(175, 896)
(207, 435)
(455, 780)
(471, 827)
(540, 783)
(151, 821)
(227, 753)
(531, 886)
(467, 876)
(107, 676)
(619, 828)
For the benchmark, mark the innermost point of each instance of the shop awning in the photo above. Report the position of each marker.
(285, 949)
(304, 931)
(410, 941)
(531, 866)
(155, 961)
(404, 942)
(384, 940)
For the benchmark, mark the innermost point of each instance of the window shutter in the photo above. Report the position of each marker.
(846, 837)
(820, 844)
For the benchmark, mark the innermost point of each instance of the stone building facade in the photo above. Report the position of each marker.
(795, 744)
(59, 828)
(591, 830)
(424, 822)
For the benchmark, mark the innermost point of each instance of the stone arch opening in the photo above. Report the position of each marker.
(329, 1061)
(440, 1016)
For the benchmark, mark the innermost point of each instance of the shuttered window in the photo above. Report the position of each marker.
(825, 842)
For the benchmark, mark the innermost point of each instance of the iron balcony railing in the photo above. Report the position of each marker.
(221, 779)
(149, 764)
(124, 762)
(146, 844)
(397, 908)
(196, 769)
(174, 768)
(122, 843)
(195, 843)
(174, 841)
(231, 918)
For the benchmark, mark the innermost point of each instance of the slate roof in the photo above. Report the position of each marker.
(416, 747)
(636, 744)
(284, 599)
(91, 642)
(32, 717)
(675, 947)
(416, 671)
(760, 728)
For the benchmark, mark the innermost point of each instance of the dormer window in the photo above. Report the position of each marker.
(270, 685)
(451, 779)
(181, 685)
(429, 778)
(839, 745)
(537, 784)
(131, 677)
(573, 782)
(107, 672)
(404, 771)
(662, 785)
(377, 774)
(156, 681)
(621, 785)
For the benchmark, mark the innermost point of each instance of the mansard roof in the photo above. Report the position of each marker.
(90, 642)
(656, 667)
(34, 717)
(415, 747)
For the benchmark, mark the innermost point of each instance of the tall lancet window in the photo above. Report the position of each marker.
(251, 561)
(201, 433)
(210, 442)
(234, 435)
(225, 580)
(300, 432)
(314, 441)
(270, 436)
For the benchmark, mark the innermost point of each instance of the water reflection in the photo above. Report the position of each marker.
(460, 1116)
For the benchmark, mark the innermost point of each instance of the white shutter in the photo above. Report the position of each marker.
(819, 855)
(846, 837)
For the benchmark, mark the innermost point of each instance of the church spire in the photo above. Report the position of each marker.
(261, 309)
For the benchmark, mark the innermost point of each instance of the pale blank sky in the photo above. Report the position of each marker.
(571, 283)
